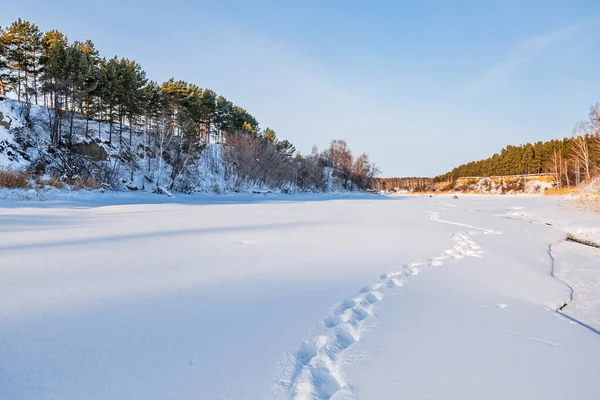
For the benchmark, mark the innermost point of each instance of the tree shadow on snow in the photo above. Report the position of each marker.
(120, 238)
(97, 199)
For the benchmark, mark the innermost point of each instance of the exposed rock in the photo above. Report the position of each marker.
(91, 150)
(5, 124)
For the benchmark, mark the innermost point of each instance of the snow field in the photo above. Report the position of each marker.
(296, 297)
(318, 361)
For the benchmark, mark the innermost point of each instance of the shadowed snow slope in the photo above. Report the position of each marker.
(301, 297)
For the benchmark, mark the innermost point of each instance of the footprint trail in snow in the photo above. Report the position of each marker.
(317, 374)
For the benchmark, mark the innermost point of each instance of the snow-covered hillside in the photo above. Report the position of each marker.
(11, 153)
(139, 296)
(97, 155)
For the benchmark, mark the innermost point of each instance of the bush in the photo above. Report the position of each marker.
(51, 181)
(257, 161)
(83, 183)
(14, 179)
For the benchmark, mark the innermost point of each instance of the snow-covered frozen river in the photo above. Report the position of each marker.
(298, 297)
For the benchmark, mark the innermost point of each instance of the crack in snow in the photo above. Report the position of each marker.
(533, 339)
(434, 216)
(560, 304)
(559, 309)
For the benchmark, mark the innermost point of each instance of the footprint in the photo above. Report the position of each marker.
(371, 288)
(416, 264)
(248, 242)
(318, 362)
(309, 349)
(394, 283)
(388, 275)
(373, 297)
(347, 335)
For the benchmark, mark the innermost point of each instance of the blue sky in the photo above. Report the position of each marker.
(419, 86)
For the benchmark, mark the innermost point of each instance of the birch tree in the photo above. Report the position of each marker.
(581, 148)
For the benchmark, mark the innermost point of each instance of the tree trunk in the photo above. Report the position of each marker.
(149, 124)
(99, 122)
(110, 126)
(19, 84)
(26, 87)
(587, 171)
(560, 172)
(35, 93)
(59, 127)
(131, 154)
(120, 131)
(130, 131)
(71, 130)
(87, 123)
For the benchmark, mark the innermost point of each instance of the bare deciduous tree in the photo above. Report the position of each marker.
(555, 166)
(581, 148)
(163, 136)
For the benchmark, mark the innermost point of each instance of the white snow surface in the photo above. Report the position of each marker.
(139, 296)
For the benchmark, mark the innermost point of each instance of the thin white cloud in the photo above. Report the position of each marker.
(523, 54)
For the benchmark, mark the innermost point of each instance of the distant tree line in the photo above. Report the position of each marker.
(175, 118)
(572, 160)
(413, 184)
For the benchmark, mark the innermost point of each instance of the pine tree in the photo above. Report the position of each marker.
(89, 70)
(242, 121)
(285, 147)
(55, 84)
(33, 52)
(270, 135)
(208, 110)
(223, 116)
(133, 80)
(13, 40)
(4, 73)
(108, 90)
(22, 47)
(52, 59)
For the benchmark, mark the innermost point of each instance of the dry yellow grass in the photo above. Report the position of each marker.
(56, 182)
(561, 191)
(20, 180)
(14, 179)
(588, 204)
(79, 183)
(52, 181)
